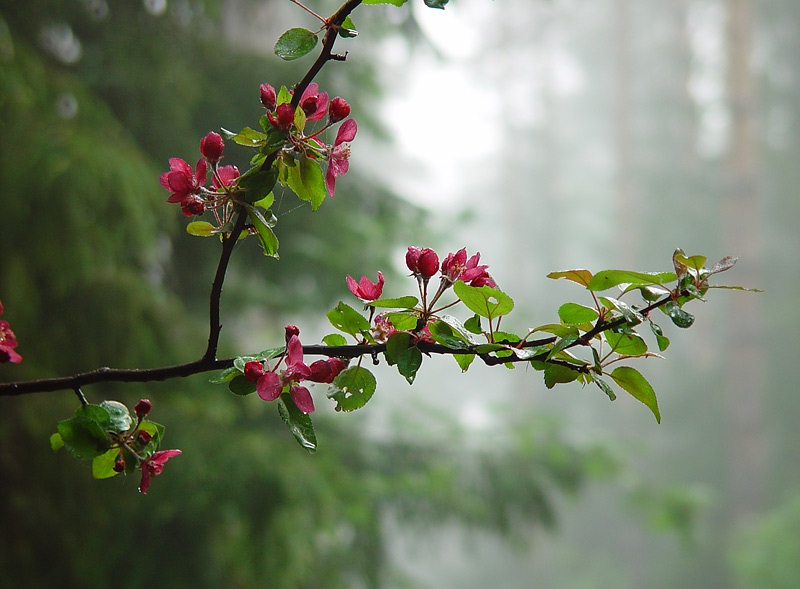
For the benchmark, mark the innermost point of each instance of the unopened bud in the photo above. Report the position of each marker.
(212, 146)
(142, 408)
(338, 110)
(143, 438)
(193, 205)
(119, 464)
(268, 97)
(291, 330)
(285, 114)
(253, 370)
(422, 262)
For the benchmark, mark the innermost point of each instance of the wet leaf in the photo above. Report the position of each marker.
(295, 43)
(634, 383)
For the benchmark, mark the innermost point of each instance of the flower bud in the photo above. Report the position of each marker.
(423, 263)
(143, 438)
(268, 97)
(119, 464)
(212, 146)
(253, 370)
(338, 109)
(291, 330)
(326, 370)
(309, 105)
(285, 114)
(193, 205)
(142, 408)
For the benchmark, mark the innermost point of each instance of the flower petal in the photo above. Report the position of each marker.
(269, 386)
(347, 132)
(302, 398)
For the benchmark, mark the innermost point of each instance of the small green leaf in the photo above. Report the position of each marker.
(399, 303)
(247, 137)
(436, 3)
(347, 319)
(557, 374)
(56, 442)
(402, 321)
(561, 344)
(352, 388)
(83, 437)
(96, 413)
(299, 119)
(556, 329)
(679, 317)
(394, 2)
(298, 423)
(609, 278)
(258, 183)
(409, 362)
(295, 43)
(485, 301)
(661, 340)
(605, 387)
(156, 430)
(239, 385)
(200, 229)
(119, 415)
(724, 264)
(575, 314)
(226, 375)
(582, 277)
(631, 315)
(266, 237)
(307, 181)
(634, 383)
(103, 465)
(473, 324)
(396, 345)
(348, 29)
(334, 339)
(464, 360)
(626, 344)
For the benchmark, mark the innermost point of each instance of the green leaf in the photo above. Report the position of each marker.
(395, 346)
(347, 319)
(605, 387)
(444, 334)
(298, 422)
(307, 181)
(103, 465)
(266, 237)
(56, 442)
(239, 385)
(561, 344)
(557, 374)
(473, 324)
(609, 278)
(485, 301)
(409, 362)
(436, 3)
(402, 321)
(460, 329)
(96, 413)
(120, 417)
(156, 430)
(348, 29)
(464, 360)
(258, 183)
(661, 340)
(399, 303)
(299, 119)
(575, 314)
(631, 315)
(247, 137)
(295, 43)
(200, 229)
(226, 375)
(394, 2)
(626, 344)
(679, 317)
(557, 329)
(83, 437)
(724, 264)
(634, 383)
(334, 339)
(352, 388)
(582, 277)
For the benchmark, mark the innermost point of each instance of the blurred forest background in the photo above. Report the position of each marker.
(545, 134)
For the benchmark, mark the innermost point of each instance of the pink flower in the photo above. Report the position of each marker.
(314, 103)
(423, 263)
(283, 118)
(366, 290)
(212, 146)
(153, 466)
(142, 408)
(193, 205)
(339, 155)
(268, 97)
(227, 174)
(338, 110)
(326, 370)
(8, 341)
(270, 385)
(457, 267)
(180, 180)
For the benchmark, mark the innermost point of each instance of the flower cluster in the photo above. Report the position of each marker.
(270, 383)
(8, 341)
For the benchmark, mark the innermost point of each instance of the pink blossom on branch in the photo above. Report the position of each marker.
(314, 103)
(339, 154)
(457, 267)
(423, 263)
(212, 146)
(153, 466)
(270, 384)
(227, 174)
(8, 341)
(365, 289)
(181, 181)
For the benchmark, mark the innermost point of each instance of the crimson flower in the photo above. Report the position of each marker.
(270, 385)
(212, 146)
(153, 466)
(180, 180)
(326, 370)
(423, 263)
(338, 110)
(8, 341)
(457, 267)
(339, 155)
(365, 289)
(268, 97)
(226, 174)
(314, 103)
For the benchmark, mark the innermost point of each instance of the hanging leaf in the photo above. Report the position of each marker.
(295, 43)
(634, 383)
(582, 277)
(307, 181)
(679, 317)
(352, 388)
(83, 437)
(200, 229)
(267, 237)
(408, 362)
(626, 344)
(298, 423)
(103, 465)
